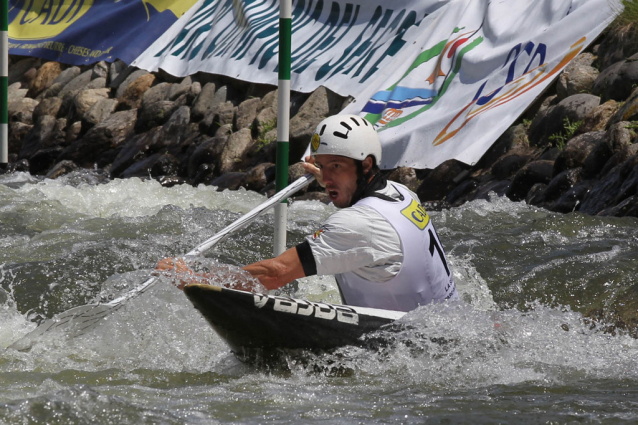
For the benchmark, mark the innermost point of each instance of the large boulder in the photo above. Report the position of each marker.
(208, 101)
(598, 118)
(45, 76)
(102, 143)
(22, 110)
(131, 97)
(440, 181)
(233, 156)
(617, 81)
(557, 121)
(532, 173)
(577, 150)
(578, 76)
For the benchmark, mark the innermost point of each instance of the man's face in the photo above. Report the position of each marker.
(339, 175)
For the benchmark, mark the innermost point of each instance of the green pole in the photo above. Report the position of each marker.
(4, 85)
(283, 122)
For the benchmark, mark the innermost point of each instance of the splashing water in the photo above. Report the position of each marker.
(516, 348)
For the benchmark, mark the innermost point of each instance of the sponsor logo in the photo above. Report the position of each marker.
(339, 313)
(42, 19)
(416, 214)
(314, 142)
(317, 234)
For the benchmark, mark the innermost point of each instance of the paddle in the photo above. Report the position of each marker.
(81, 319)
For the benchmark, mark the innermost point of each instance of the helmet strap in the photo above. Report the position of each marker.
(367, 183)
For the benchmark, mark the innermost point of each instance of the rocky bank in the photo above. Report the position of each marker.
(573, 150)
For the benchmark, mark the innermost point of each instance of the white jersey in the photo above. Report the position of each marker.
(362, 245)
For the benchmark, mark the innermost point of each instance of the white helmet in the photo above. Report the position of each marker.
(346, 135)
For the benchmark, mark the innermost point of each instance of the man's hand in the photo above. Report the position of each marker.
(311, 168)
(176, 268)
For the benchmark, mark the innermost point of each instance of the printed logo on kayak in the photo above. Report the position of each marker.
(416, 214)
(342, 314)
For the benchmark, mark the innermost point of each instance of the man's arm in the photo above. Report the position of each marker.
(273, 273)
(277, 272)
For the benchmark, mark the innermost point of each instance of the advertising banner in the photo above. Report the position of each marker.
(440, 79)
(80, 32)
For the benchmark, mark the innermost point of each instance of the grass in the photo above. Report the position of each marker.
(629, 13)
(262, 140)
(569, 128)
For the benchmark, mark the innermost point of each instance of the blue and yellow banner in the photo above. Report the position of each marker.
(81, 32)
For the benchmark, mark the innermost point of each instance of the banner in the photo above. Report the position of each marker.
(439, 79)
(81, 32)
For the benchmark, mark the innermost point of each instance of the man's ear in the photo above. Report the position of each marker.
(366, 164)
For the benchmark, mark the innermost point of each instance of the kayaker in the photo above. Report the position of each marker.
(381, 244)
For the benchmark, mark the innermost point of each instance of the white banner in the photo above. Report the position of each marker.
(439, 79)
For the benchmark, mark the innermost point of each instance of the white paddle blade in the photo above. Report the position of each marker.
(74, 322)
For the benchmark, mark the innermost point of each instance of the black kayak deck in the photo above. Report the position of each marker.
(249, 321)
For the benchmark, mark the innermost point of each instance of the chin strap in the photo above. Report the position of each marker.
(367, 184)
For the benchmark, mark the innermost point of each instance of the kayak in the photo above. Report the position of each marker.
(249, 321)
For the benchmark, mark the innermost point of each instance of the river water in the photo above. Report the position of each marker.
(518, 349)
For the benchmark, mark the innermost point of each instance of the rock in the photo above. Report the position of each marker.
(536, 195)
(18, 69)
(72, 132)
(204, 175)
(621, 42)
(131, 97)
(207, 152)
(74, 86)
(497, 187)
(617, 138)
(100, 111)
(156, 93)
(117, 73)
(562, 182)
(44, 134)
(265, 121)
(217, 117)
(15, 92)
(604, 192)
(259, 176)
(135, 149)
(60, 169)
(29, 76)
(270, 100)
(406, 176)
(85, 100)
(45, 76)
(571, 200)
(578, 76)
(50, 106)
(617, 81)
(246, 113)
(628, 111)
(627, 208)
(126, 78)
(177, 129)
(532, 173)
(67, 76)
(22, 110)
(322, 103)
(598, 118)
(155, 165)
(17, 133)
(100, 70)
(231, 180)
(441, 180)
(234, 152)
(101, 143)
(512, 137)
(208, 101)
(41, 161)
(577, 150)
(509, 164)
(461, 193)
(154, 114)
(560, 117)
(184, 87)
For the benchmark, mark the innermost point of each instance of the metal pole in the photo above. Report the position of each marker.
(283, 122)
(4, 85)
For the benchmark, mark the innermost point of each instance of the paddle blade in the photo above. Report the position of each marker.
(75, 322)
